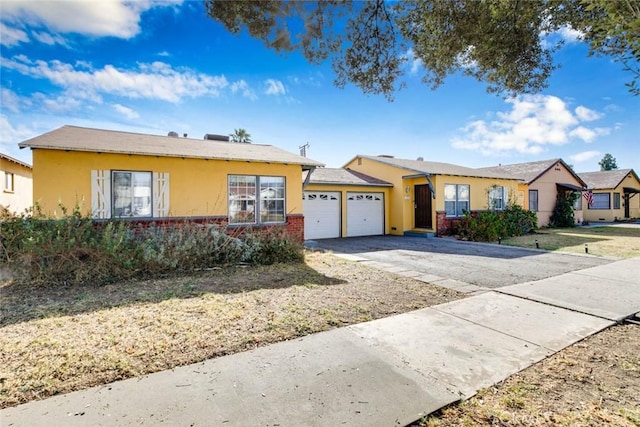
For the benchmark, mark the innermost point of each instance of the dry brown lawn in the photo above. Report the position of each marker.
(56, 340)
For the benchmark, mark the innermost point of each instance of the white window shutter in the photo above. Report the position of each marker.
(160, 194)
(101, 193)
(505, 200)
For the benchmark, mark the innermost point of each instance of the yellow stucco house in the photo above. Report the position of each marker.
(542, 181)
(150, 177)
(429, 197)
(17, 188)
(615, 195)
(344, 203)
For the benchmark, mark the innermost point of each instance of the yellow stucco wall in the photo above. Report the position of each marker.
(547, 192)
(343, 190)
(198, 187)
(613, 214)
(21, 197)
(402, 195)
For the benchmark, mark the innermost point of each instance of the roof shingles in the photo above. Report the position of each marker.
(106, 141)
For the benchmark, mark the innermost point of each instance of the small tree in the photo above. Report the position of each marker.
(608, 163)
(562, 215)
(240, 135)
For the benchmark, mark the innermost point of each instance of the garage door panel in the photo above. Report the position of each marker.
(365, 214)
(321, 214)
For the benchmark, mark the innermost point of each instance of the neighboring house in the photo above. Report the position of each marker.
(615, 193)
(432, 196)
(543, 181)
(17, 189)
(148, 177)
(344, 203)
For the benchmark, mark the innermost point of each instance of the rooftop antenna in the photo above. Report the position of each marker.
(303, 149)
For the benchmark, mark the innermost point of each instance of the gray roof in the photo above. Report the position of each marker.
(340, 176)
(530, 171)
(437, 168)
(605, 179)
(107, 141)
(16, 161)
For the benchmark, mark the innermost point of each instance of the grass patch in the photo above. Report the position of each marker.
(620, 242)
(60, 339)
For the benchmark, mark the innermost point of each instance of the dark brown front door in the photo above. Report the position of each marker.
(627, 199)
(423, 206)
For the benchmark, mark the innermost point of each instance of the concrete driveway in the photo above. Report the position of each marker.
(480, 264)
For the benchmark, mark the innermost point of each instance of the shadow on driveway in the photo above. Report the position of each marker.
(480, 264)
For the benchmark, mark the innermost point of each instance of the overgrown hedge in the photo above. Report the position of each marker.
(490, 225)
(76, 249)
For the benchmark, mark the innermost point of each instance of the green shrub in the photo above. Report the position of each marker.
(562, 215)
(490, 225)
(76, 249)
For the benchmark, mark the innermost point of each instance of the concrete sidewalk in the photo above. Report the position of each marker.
(386, 372)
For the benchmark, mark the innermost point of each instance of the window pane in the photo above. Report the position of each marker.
(533, 200)
(600, 201)
(131, 192)
(242, 199)
(577, 205)
(462, 207)
(450, 208)
(616, 200)
(463, 192)
(272, 198)
(450, 192)
(496, 198)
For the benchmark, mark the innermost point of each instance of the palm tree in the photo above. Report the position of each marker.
(240, 135)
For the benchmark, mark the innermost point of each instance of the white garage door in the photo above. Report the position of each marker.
(321, 214)
(365, 214)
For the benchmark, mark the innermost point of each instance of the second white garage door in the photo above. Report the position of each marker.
(365, 214)
(321, 214)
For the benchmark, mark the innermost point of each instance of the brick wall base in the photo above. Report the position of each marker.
(294, 226)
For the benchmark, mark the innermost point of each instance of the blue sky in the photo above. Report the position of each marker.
(155, 67)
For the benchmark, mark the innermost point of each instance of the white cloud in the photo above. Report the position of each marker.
(126, 111)
(570, 35)
(533, 123)
(151, 81)
(587, 115)
(274, 87)
(12, 135)
(117, 18)
(414, 63)
(60, 104)
(47, 38)
(243, 87)
(11, 36)
(164, 53)
(584, 156)
(10, 100)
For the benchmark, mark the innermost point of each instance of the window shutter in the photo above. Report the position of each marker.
(101, 193)
(505, 200)
(160, 194)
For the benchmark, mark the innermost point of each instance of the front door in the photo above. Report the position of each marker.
(423, 207)
(627, 199)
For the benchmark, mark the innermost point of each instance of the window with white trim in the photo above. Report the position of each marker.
(9, 182)
(256, 199)
(601, 201)
(131, 194)
(456, 199)
(616, 200)
(497, 197)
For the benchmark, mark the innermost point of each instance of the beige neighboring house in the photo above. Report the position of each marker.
(616, 195)
(543, 180)
(17, 184)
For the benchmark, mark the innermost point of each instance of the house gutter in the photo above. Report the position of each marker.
(425, 175)
(308, 178)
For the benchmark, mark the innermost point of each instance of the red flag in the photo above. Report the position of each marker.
(588, 195)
